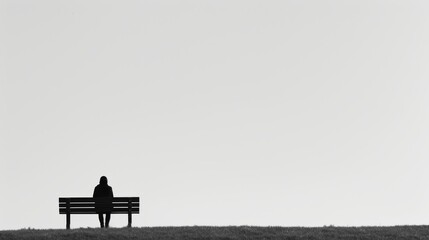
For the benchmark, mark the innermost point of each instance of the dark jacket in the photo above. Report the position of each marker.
(102, 205)
(102, 190)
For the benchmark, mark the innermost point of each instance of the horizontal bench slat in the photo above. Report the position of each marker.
(81, 213)
(101, 209)
(72, 205)
(90, 199)
(98, 210)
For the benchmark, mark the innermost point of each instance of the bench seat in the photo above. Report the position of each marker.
(88, 205)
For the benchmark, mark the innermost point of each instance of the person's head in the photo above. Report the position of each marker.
(103, 180)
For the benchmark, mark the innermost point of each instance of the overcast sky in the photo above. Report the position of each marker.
(221, 112)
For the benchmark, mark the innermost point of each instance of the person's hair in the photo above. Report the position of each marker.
(103, 180)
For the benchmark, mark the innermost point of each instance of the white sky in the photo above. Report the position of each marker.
(222, 112)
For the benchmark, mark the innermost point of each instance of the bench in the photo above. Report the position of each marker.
(89, 205)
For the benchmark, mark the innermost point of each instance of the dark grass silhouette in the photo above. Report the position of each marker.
(224, 233)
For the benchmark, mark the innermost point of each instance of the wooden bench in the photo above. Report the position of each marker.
(88, 205)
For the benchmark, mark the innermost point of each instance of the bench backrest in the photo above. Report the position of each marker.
(87, 205)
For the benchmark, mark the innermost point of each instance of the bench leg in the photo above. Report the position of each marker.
(129, 220)
(68, 221)
(129, 213)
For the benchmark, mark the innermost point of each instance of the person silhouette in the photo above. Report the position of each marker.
(103, 205)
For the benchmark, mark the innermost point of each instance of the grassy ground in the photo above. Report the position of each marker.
(224, 233)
